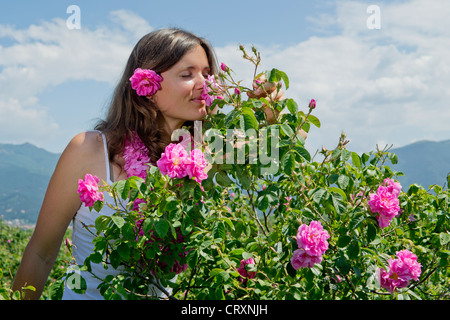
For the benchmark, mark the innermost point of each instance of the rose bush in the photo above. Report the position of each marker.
(271, 220)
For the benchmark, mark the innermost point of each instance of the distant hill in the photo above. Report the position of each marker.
(25, 171)
(424, 162)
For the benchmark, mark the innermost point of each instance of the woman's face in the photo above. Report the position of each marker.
(179, 99)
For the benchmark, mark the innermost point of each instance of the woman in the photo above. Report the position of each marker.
(183, 61)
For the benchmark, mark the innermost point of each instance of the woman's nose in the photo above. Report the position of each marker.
(199, 81)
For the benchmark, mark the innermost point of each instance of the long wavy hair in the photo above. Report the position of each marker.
(128, 112)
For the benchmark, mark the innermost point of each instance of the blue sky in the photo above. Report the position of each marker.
(380, 86)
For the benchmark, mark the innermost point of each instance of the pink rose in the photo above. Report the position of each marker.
(177, 163)
(88, 190)
(313, 238)
(224, 67)
(385, 204)
(393, 187)
(211, 90)
(146, 82)
(174, 161)
(312, 244)
(409, 259)
(300, 259)
(243, 270)
(312, 104)
(401, 271)
(195, 169)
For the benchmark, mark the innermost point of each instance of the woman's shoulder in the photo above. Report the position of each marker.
(84, 149)
(86, 141)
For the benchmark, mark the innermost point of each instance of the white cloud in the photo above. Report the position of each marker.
(379, 86)
(20, 122)
(49, 54)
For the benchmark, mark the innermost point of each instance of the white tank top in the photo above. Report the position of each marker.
(82, 247)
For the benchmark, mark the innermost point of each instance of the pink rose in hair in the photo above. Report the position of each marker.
(146, 82)
(88, 190)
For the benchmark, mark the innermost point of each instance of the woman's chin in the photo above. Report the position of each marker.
(202, 112)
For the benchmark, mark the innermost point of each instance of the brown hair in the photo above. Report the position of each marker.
(128, 112)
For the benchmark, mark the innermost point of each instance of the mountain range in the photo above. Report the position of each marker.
(25, 171)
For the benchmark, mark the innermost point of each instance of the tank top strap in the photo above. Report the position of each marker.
(107, 164)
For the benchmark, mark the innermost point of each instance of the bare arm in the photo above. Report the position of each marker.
(60, 204)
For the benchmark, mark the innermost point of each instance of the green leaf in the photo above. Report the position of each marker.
(236, 252)
(98, 205)
(337, 203)
(124, 251)
(393, 157)
(114, 258)
(343, 241)
(96, 257)
(314, 120)
(356, 221)
(263, 203)
(292, 106)
(128, 232)
(318, 195)
(101, 223)
(249, 119)
(171, 203)
(336, 154)
(245, 181)
(444, 238)
(118, 221)
(162, 226)
(285, 78)
(356, 160)
(123, 188)
(448, 179)
(219, 230)
(246, 255)
(371, 232)
(353, 250)
(303, 152)
(338, 191)
(343, 181)
(288, 163)
(223, 179)
(276, 75)
(287, 129)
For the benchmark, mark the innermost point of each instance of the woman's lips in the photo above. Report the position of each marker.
(198, 100)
